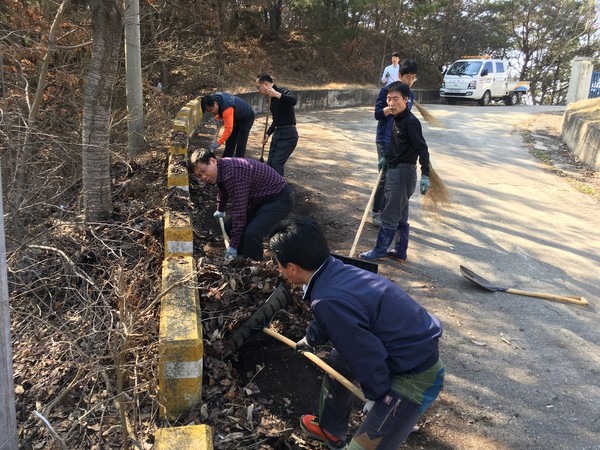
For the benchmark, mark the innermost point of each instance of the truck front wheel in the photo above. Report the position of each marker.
(486, 99)
(511, 99)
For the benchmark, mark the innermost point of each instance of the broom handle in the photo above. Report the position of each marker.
(581, 301)
(366, 213)
(225, 237)
(262, 152)
(319, 362)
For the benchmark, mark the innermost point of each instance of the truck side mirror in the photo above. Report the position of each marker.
(484, 72)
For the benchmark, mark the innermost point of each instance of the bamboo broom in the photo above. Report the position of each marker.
(437, 196)
(427, 116)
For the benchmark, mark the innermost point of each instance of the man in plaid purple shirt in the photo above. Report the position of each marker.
(259, 198)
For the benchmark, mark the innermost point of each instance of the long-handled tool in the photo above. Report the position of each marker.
(261, 159)
(279, 299)
(365, 215)
(225, 237)
(217, 132)
(482, 282)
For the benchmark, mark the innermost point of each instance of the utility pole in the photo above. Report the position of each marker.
(133, 76)
(8, 417)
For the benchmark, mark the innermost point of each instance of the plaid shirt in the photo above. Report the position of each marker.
(245, 183)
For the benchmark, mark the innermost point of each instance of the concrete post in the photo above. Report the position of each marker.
(581, 77)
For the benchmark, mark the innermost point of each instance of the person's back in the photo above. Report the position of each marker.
(238, 117)
(347, 300)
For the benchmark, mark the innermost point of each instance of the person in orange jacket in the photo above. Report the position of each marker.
(237, 116)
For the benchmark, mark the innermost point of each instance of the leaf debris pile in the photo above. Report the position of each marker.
(84, 319)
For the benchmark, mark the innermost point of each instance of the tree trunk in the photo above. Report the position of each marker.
(106, 41)
(133, 69)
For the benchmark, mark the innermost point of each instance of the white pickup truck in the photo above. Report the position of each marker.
(482, 79)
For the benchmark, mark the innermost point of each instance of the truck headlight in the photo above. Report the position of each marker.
(472, 85)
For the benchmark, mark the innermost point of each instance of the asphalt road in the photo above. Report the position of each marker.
(522, 372)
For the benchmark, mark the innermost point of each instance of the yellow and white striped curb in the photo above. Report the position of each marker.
(175, 176)
(179, 236)
(194, 437)
(180, 338)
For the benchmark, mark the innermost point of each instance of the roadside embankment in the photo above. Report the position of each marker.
(581, 131)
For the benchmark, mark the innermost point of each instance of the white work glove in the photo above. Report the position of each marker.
(368, 406)
(230, 253)
(219, 214)
(303, 346)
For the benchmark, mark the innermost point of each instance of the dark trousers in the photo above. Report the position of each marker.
(237, 140)
(283, 143)
(400, 183)
(386, 426)
(261, 219)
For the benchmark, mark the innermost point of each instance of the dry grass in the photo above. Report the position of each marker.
(587, 109)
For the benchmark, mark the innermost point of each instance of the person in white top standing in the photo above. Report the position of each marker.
(392, 72)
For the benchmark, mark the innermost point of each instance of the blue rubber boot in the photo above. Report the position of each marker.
(384, 239)
(399, 251)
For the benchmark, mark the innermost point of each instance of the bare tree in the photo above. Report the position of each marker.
(23, 165)
(107, 23)
(133, 68)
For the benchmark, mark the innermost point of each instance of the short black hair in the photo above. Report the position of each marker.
(207, 100)
(396, 54)
(399, 86)
(299, 240)
(201, 156)
(261, 78)
(408, 66)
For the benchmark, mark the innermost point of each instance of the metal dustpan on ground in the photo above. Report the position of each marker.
(485, 284)
(278, 300)
(360, 263)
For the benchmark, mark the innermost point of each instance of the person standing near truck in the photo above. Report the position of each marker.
(385, 121)
(382, 339)
(238, 117)
(283, 126)
(407, 144)
(392, 72)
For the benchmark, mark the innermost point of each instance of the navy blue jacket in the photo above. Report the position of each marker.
(241, 110)
(377, 328)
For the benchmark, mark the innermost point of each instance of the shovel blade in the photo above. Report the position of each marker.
(480, 281)
(278, 300)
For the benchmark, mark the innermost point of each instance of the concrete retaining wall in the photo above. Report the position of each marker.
(581, 131)
(333, 98)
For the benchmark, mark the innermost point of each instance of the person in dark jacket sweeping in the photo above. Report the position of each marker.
(385, 123)
(407, 144)
(381, 337)
(237, 116)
